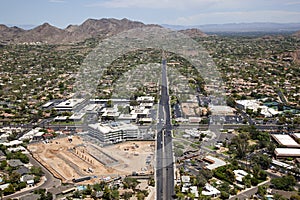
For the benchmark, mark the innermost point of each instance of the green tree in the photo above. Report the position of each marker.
(109, 103)
(180, 196)
(21, 185)
(284, 183)
(261, 190)
(240, 142)
(206, 173)
(200, 180)
(9, 190)
(37, 179)
(191, 195)
(279, 197)
(127, 195)
(225, 186)
(262, 175)
(99, 186)
(3, 148)
(224, 195)
(247, 181)
(115, 194)
(106, 193)
(262, 160)
(233, 191)
(255, 170)
(230, 174)
(271, 147)
(133, 103)
(130, 183)
(76, 194)
(254, 181)
(3, 164)
(37, 171)
(295, 197)
(151, 182)
(231, 102)
(14, 177)
(88, 190)
(263, 139)
(140, 196)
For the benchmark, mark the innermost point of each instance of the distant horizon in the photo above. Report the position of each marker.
(31, 26)
(61, 13)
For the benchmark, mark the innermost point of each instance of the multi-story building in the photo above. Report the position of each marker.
(113, 132)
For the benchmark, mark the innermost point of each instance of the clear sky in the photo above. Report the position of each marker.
(177, 12)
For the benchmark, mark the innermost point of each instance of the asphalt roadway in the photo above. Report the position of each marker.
(164, 153)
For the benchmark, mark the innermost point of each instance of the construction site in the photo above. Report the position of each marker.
(73, 160)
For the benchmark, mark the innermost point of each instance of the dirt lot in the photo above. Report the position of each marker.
(190, 109)
(68, 160)
(133, 156)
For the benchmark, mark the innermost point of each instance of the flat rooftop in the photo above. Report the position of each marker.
(281, 164)
(145, 98)
(287, 152)
(47, 104)
(285, 140)
(222, 110)
(69, 103)
(113, 127)
(248, 103)
(216, 163)
(77, 116)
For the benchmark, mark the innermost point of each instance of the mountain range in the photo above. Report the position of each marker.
(103, 28)
(47, 33)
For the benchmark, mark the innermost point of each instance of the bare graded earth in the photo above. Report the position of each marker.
(68, 160)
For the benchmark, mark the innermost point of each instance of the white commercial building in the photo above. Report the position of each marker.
(31, 134)
(192, 132)
(92, 108)
(145, 99)
(287, 152)
(128, 118)
(46, 105)
(60, 118)
(141, 112)
(255, 105)
(146, 105)
(110, 113)
(113, 132)
(285, 140)
(281, 164)
(221, 110)
(213, 162)
(250, 104)
(77, 116)
(70, 104)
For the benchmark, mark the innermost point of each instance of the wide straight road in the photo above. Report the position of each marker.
(164, 155)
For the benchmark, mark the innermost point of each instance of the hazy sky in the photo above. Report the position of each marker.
(180, 12)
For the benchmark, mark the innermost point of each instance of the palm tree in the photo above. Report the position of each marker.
(241, 143)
